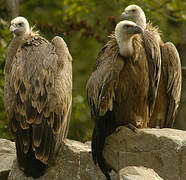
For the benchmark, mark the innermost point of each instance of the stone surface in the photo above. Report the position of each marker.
(160, 150)
(74, 162)
(137, 173)
(163, 150)
(7, 155)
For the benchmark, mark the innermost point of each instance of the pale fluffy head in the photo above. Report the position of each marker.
(126, 29)
(20, 27)
(136, 14)
(124, 33)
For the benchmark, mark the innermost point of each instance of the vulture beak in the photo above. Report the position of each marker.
(12, 28)
(125, 16)
(138, 30)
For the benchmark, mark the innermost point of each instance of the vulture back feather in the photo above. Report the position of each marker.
(38, 98)
(172, 78)
(170, 82)
(152, 48)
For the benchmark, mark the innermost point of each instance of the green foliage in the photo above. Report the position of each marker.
(77, 9)
(85, 26)
(4, 39)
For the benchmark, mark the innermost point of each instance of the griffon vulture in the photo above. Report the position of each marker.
(38, 95)
(169, 90)
(118, 88)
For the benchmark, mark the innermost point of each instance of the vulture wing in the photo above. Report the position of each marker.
(101, 95)
(40, 95)
(152, 48)
(173, 79)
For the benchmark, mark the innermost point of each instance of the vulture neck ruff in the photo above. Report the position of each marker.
(141, 21)
(126, 48)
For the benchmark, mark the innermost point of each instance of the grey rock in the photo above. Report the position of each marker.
(74, 162)
(163, 150)
(7, 155)
(137, 173)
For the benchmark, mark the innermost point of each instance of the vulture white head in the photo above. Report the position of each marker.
(124, 33)
(134, 13)
(20, 27)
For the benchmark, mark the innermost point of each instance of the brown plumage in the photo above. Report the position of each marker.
(38, 96)
(152, 48)
(118, 93)
(169, 90)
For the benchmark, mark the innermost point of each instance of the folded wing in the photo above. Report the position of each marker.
(173, 79)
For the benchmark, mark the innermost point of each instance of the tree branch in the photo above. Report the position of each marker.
(9, 9)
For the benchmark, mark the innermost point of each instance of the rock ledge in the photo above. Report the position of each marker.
(163, 150)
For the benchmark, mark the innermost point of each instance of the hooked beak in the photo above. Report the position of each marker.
(138, 30)
(12, 28)
(125, 16)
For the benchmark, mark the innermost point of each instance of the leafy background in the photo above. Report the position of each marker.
(85, 26)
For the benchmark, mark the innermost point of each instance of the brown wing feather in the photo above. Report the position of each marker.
(102, 83)
(173, 79)
(40, 86)
(151, 42)
(39, 149)
(100, 95)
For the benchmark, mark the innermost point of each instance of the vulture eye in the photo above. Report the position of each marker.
(127, 26)
(20, 24)
(133, 10)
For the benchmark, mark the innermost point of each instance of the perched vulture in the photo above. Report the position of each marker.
(38, 95)
(118, 89)
(169, 90)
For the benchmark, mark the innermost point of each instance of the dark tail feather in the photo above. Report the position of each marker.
(98, 141)
(27, 162)
(104, 126)
(171, 114)
(33, 167)
(93, 146)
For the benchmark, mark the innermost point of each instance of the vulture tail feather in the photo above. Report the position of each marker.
(169, 123)
(68, 122)
(31, 166)
(104, 127)
(97, 150)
